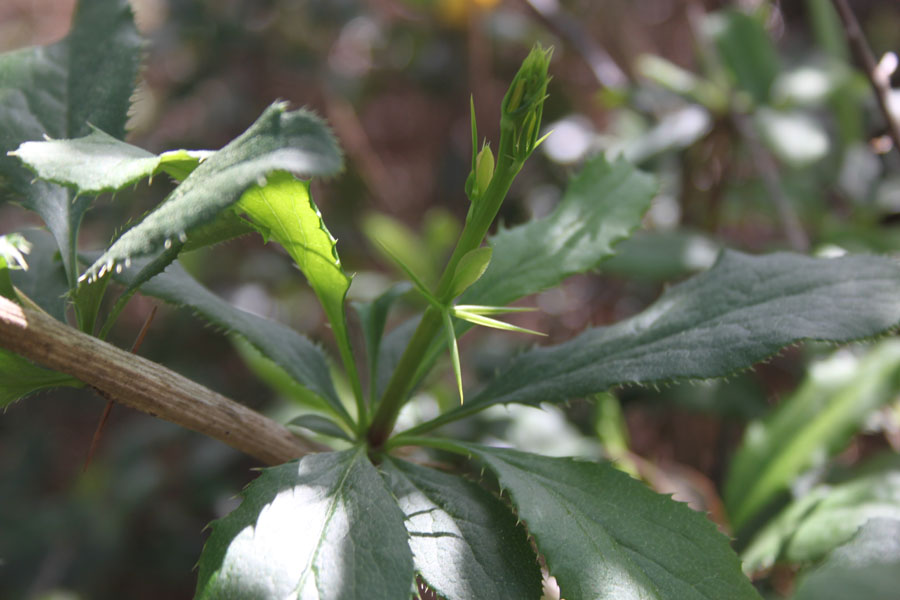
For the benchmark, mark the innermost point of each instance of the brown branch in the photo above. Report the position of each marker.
(863, 53)
(145, 386)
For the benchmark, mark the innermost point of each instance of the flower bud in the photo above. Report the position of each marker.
(523, 104)
(484, 169)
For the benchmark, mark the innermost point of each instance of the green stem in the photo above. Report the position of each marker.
(481, 215)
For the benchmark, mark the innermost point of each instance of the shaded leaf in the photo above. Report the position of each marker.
(322, 527)
(320, 424)
(465, 541)
(45, 280)
(57, 90)
(373, 317)
(19, 377)
(743, 310)
(816, 422)
(745, 50)
(294, 141)
(606, 535)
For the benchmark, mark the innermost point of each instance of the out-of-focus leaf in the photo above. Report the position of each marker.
(324, 527)
(743, 310)
(675, 131)
(19, 377)
(45, 280)
(57, 90)
(395, 241)
(866, 567)
(745, 50)
(662, 255)
(465, 542)
(98, 162)
(826, 517)
(794, 137)
(606, 535)
(814, 423)
(280, 140)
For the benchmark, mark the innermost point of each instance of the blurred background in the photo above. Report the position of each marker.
(762, 134)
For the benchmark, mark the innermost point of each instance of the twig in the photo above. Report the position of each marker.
(863, 53)
(146, 386)
(98, 432)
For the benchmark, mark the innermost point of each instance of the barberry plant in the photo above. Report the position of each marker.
(352, 517)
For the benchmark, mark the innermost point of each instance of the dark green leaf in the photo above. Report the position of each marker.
(294, 141)
(99, 162)
(320, 424)
(465, 541)
(324, 527)
(45, 280)
(826, 517)
(56, 91)
(291, 351)
(19, 377)
(373, 317)
(745, 50)
(606, 535)
(602, 205)
(662, 256)
(817, 421)
(743, 310)
(866, 567)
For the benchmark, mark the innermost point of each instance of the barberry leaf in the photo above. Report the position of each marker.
(465, 541)
(280, 140)
(605, 535)
(323, 527)
(743, 310)
(19, 377)
(56, 90)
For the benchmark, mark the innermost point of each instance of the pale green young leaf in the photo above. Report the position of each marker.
(280, 140)
(324, 527)
(868, 566)
(601, 206)
(465, 541)
(56, 90)
(400, 244)
(19, 377)
(743, 310)
(469, 269)
(827, 516)
(283, 210)
(815, 422)
(291, 351)
(605, 535)
(98, 162)
(450, 336)
(477, 318)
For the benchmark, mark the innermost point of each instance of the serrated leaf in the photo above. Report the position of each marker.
(284, 211)
(324, 527)
(866, 567)
(601, 206)
(19, 377)
(280, 140)
(465, 542)
(743, 310)
(826, 517)
(606, 535)
(57, 90)
(320, 424)
(373, 318)
(98, 162)
(469, 269)
(288, 349)
(816, 422)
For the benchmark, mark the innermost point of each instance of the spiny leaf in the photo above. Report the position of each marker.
(465, 542)
(323, 527)
(280, 140)
(19, 377)
(605, 535)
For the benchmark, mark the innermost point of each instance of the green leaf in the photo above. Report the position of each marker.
(19, 377)
(745, 50)
(98, 162)
(743, 310)
(324, 527)
(56, 91)
(662, 256)
(283, 210)
(866, 567)
(816, 422)
(45, 280)
(476, 316)
(606, 535)
(826, 517)
(288, 349)
(601, 206)
(320, 424)
(373, 318)
(280, 140)
(465, 541)
(469, 269)
(399, 244)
